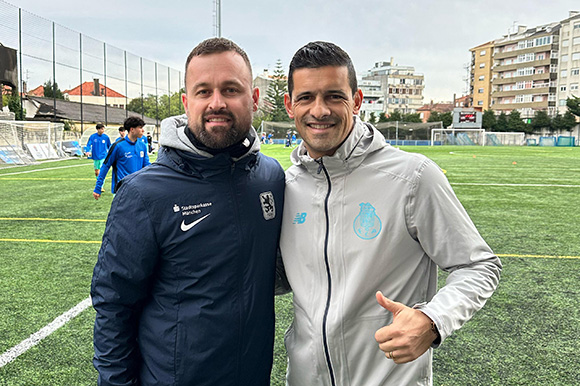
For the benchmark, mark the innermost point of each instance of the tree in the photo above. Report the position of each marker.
(13, 103)
(515, 122)
(573, 104)
(157, 107)
(445, 118)
(274, 100)
(488, 120)
(372, 117)
(557, 123)
(383, 117)
(395, 116)
(52, 91)
(568, 121)
(412, 117)
(502, 122)
(540, 120)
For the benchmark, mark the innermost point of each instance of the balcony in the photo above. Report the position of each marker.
(515, 106)
(515, 79)
(524, 91)
(515, 53)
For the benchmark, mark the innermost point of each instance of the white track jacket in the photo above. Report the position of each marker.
(372, 217)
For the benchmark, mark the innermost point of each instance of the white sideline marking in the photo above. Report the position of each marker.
(35, 338)
(533, 185)
(41, 170)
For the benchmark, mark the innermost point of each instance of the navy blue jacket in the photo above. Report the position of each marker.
(184, 283)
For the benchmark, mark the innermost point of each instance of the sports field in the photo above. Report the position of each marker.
(523, 200)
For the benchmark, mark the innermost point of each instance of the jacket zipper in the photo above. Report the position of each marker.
(329, 278)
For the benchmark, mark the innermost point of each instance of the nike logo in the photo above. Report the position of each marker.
(186, 227)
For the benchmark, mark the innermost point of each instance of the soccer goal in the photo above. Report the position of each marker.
(460, 137)
(565, 141)
(505, 138)
(23, 142)
(547, 141)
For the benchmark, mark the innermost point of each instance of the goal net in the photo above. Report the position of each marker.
(505, 138)
(24, 142)
(459, 137)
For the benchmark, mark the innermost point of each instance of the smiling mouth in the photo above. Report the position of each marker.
(320, 126)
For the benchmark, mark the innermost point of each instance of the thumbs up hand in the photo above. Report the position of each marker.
(410, 334)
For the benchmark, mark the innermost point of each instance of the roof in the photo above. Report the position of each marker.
(88, 88)
(439, 107)
(90, 112)
(39, 91)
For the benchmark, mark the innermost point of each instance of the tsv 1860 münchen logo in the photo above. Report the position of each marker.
(367, 224)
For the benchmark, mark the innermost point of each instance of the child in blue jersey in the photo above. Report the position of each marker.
(97, 147)
(122, 133)
(126, 156)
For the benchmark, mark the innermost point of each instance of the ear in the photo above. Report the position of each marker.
(256, 98)
(358, 99)
(184, 101)
(288, 105)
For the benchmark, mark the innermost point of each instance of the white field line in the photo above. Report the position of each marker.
(523, 185)
(35, 338)
(41, 170)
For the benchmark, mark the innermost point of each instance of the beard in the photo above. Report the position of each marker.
(221, 137)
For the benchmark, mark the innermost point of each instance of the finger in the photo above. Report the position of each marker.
(388, 304)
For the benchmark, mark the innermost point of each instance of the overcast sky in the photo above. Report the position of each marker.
(433, 36)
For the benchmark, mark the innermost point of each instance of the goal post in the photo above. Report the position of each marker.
(460, 137)
(24, 142)
(500, 138)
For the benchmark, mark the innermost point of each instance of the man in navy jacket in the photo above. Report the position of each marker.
(184, 282)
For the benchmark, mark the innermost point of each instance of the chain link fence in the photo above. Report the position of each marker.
(87, 71)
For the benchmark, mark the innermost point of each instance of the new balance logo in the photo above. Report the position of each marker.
(300, 218)
(185, 227)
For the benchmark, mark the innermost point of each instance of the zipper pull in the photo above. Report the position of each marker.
(320, 165)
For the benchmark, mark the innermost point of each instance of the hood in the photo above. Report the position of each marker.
(363, 140)
(173, 135)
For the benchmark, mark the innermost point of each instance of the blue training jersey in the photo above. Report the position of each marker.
(98, 146)
(125, 157)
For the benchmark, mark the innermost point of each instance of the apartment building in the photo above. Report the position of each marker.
(480, 76)
(401, 86)
(525, 70)
(569, 63)
(373, 98)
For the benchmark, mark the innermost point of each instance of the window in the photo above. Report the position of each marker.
(577, 26)
(480, 91)
(543, 41)
(576, 41)
(520, 85)
(562, 88)
(576, 56)
(565, 43)
(481, 65)
(564, 58)
(564, 73)
(540, 70)
(480, 103)
(526, 71)
(574, 87)
(519, 98)
(528, 98)
(575, 71)
(562, 102)
(541, 56)
(481, 77)
(482, 53)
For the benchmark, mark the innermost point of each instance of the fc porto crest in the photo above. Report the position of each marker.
(268, 207)
(367, 225)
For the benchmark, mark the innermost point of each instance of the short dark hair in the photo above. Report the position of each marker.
(100, 126)
(217, 46)
(320, 54)
(122, 128)
(133, 122)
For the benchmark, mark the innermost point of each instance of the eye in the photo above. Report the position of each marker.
(303, 98)
(231, 90)
(202, 92)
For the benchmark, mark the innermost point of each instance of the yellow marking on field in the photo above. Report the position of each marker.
(51, 241)
(538, 256)
(50, 219)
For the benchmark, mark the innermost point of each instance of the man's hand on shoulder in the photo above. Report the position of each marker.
(410, 334)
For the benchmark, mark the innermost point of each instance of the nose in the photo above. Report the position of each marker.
(320, 109)
(217, 101)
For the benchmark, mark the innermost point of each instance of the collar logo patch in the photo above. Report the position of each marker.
(367, 225)
(268, 206)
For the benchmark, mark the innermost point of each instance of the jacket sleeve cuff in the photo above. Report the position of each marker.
(438, 323)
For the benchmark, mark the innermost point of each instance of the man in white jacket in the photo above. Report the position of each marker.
(363, 219)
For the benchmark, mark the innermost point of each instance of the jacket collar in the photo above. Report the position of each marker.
(363, 140)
